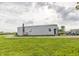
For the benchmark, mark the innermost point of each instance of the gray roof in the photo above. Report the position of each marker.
(74, 30)
(41, 25)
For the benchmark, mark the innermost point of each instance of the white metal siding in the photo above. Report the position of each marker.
(19, 31)
(38, 30)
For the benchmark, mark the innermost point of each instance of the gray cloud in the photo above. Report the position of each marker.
(17, 8)
(29, 22)
(41, 4)
(67, 14)
(14, 14)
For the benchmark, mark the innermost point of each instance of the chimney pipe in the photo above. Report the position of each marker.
(23, 28)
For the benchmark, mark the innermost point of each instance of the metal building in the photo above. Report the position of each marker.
(38, 30)
(74, 32)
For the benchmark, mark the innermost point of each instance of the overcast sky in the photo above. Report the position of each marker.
(12, 15)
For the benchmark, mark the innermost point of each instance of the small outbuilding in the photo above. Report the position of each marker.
(38, 30)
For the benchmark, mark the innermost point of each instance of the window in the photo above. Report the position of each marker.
(49, 29)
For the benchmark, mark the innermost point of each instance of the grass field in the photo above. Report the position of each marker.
(39, 46)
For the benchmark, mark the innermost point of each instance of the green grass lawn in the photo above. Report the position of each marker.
(39, 46)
